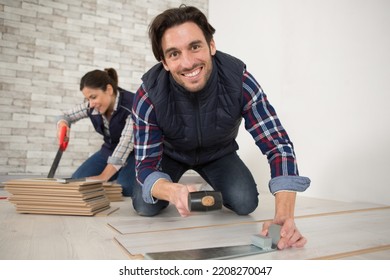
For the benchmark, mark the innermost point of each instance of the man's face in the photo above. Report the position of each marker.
(187, 55)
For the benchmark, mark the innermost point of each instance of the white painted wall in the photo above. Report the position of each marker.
(325, 66)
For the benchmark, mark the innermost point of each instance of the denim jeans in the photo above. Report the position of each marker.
(229, 175)
(96, 163)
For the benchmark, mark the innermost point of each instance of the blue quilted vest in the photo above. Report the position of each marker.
(117, 122)
(198, 127)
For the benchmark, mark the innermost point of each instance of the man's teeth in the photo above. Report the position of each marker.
(192, 74)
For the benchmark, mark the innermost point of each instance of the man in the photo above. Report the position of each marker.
(187, 114)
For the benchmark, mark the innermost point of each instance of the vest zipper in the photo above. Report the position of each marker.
(198, 128)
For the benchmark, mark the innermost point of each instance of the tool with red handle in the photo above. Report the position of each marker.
(63, 141)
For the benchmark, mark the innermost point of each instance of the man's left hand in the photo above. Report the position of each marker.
(289, 234)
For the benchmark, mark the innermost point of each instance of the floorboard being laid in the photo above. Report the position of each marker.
(187, 238)
(327, 235)
(170, 219)
(339, 236)
(222, 217)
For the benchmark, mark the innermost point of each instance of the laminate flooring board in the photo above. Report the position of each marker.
(52, 198)
(169, 219)
(373, 254)
(87, 206)
(113, 191)
(107, 211)
(187, 238)
(327, 235)
(48, 181)
(196, 220)
(56, 191)
(46, 196)
(339, 236)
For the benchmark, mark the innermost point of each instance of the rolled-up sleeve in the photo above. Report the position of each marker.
(262, 122)
(125, 145)
(148, 145)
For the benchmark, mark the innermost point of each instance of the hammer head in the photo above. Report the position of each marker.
(204, 201)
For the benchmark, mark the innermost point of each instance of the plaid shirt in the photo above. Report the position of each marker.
(125, 146)
(261, 122)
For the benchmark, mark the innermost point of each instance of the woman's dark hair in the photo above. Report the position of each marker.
(99, 79)
(176, 16)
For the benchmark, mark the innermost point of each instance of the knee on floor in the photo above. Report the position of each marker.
(243, 207)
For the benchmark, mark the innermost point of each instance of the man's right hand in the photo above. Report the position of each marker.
(175, 193)
(179, 197)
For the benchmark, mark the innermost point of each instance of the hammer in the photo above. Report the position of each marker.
(202, 201)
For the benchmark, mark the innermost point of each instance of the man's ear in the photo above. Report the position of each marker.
(213, 48)
(164, 64)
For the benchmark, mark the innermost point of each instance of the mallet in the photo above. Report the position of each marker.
(204, 201)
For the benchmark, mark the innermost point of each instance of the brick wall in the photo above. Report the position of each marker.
(46, 46)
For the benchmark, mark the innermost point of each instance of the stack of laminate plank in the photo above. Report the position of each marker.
(113, 191)
(48, 196)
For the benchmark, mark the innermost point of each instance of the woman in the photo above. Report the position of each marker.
(109, 108)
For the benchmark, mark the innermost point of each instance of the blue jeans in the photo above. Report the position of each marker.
(95, 165)
(229, 175)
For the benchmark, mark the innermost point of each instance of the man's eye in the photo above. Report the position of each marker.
(174, 54)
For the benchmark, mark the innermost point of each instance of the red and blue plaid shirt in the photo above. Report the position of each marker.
(261, 122)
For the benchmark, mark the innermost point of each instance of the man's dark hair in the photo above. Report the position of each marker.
(173, 17)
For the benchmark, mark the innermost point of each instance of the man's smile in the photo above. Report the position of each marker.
(193, 73)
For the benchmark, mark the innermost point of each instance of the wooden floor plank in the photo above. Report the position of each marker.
(187, 238)
(47, 196)
(384, 249)
(340, 234)
(170, 219)
(223, 217)
(379, 254)
(327, 235)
